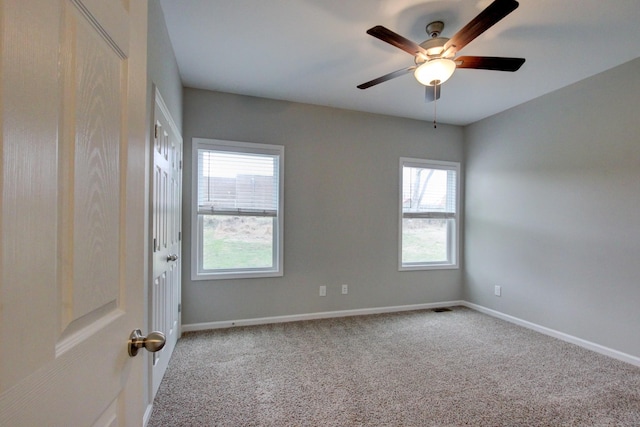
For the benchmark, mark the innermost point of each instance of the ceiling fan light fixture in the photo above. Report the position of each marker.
(435, 72)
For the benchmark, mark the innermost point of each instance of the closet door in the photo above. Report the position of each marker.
(166, 234)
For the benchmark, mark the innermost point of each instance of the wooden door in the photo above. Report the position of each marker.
(166, 236)
(73, 258)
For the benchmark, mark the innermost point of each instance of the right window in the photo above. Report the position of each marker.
(428, 214)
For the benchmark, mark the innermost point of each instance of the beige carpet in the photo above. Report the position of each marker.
(419, 368)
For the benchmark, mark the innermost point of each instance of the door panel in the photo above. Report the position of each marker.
(72, 260)
(93, 106)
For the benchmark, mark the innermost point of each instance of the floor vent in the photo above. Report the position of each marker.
(441, 309)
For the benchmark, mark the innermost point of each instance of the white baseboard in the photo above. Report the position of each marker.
(633, 360)
(314, 316)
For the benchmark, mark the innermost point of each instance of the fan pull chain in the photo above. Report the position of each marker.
(435, 101)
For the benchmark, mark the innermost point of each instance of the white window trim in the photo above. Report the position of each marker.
(452, 235)
(196, 243)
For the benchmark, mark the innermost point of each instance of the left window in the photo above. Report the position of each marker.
(238, 209)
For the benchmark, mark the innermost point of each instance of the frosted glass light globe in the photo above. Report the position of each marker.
(435, 72)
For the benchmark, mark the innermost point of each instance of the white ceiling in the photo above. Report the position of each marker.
(317, 51)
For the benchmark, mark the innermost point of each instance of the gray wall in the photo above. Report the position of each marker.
(341, 213)
(162, 66)
(553, 210)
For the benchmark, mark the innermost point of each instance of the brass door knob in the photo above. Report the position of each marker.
(152, 342)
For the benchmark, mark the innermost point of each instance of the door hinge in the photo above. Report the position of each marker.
(179, 235)
(179, 308)
(180, 164)
(155, 244)
(156, 132)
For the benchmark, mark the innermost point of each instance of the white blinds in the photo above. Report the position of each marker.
(237, 183)
(428, 192)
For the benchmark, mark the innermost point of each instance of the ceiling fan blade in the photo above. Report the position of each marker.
(394, 39)
(481, 23)
(489, 63)
(430, 94)
(386, 77)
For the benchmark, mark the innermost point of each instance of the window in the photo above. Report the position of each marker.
(238, 212)
(428, 214)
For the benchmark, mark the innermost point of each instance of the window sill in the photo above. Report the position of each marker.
(236, 275)
(423, 267)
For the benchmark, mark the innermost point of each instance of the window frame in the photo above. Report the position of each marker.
(197, 272)
(453, 230)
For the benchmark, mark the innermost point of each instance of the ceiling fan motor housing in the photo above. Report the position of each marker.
(434, 48)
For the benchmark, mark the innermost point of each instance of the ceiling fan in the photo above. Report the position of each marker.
(435, 59)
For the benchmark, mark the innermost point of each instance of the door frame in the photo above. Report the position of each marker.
(157, 99)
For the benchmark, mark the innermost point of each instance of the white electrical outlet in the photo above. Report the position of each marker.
(323, 291)
(345, 289)
(497, 290)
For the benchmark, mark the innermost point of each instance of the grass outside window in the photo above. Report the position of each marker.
(231, 242)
